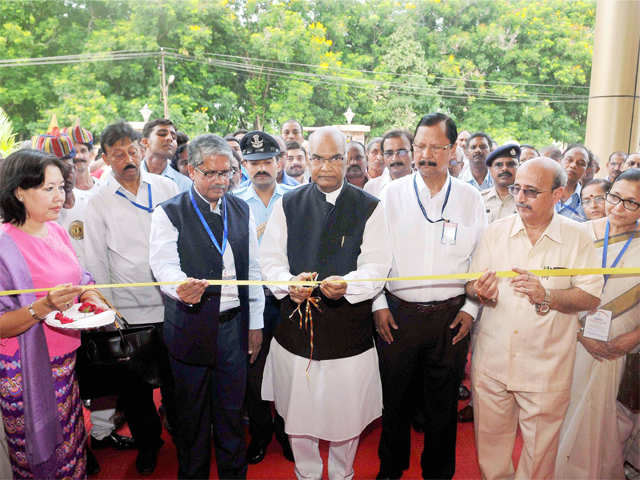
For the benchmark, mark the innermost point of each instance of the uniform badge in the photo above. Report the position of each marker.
(256, 141)
(76, 230)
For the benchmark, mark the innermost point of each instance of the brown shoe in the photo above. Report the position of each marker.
(465, 415)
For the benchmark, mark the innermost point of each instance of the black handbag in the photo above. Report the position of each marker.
(109, 358)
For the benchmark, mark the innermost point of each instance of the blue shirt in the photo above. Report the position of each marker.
(572, 208)
(287, 180)
(261, 213)
(487, 183)
(184, 183)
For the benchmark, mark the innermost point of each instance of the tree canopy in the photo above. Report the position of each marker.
(517, 69)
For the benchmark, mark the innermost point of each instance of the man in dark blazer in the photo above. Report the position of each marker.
(198, 235)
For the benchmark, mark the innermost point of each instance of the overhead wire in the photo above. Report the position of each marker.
(250, 65)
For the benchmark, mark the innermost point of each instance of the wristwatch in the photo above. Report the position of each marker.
(33, 314)
(544, 307)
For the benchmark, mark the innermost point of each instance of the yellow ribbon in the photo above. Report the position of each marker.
(557, 272)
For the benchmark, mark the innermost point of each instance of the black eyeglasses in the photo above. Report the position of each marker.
(221, 174)
(528, 192)
(628, 204)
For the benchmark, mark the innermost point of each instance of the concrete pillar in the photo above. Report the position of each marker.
(614, 105)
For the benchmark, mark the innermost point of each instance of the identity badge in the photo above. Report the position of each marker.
(597, 325)
(449, 233)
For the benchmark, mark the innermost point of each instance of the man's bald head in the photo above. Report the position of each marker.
(556, 174)
(537, 190)
(323, 133)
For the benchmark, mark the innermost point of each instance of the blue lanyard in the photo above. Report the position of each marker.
(424, 212)
(136, 204)
(606, 247)
(206, 225)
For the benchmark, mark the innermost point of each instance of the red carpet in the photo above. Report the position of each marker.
(116, 464)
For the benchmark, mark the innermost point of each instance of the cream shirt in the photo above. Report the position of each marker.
(495, 207)
(515, 345)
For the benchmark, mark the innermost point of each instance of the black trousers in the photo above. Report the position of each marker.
(262, 423)
(212, 396)
(422, 346)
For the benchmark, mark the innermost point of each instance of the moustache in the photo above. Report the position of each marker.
(523, 205)
(397, 164)
(131, 165)
(262, 174)
(505, 174)
(422, 163)
(354, 169)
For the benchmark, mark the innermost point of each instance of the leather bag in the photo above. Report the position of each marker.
(109, 357)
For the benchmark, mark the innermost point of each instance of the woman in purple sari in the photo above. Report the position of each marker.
(39, 397)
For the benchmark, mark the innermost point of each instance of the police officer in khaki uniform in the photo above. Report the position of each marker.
(502, 163)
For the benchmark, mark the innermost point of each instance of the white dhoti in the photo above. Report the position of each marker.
(335, 400)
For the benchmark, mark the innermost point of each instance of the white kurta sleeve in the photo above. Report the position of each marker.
(164, 259)
(374, 260)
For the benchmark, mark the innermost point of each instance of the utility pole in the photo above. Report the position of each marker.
(164, 87)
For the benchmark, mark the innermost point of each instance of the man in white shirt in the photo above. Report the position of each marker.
(434, 222)
(209, 330)
(159, 137)
(322, 368)
(117, 226)
(396, 152)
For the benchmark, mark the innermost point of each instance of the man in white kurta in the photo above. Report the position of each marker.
(324, 376)
(525, 347)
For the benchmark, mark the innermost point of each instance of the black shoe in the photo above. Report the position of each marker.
(463, 393)
(147, 460)
(114, 440)
(256, 452)
(387, 476)
(465, 414)
(93, 467)
(286, 448)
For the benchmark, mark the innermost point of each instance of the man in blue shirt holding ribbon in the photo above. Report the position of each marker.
(199, 235)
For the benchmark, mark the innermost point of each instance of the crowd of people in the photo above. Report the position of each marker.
(316, 345)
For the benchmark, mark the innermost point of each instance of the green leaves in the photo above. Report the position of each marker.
(516, 69)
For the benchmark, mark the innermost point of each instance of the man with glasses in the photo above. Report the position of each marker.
(117, 225)
(477, 149)
(322, 368)
(396, 152)
(524, 351)
(260, 151)
(434, 222)
(199, 235)
(502, 163)
(575, 160)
